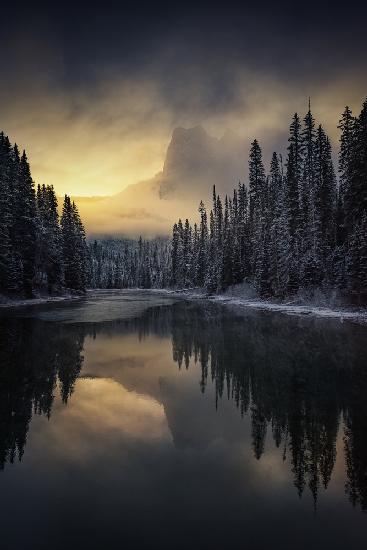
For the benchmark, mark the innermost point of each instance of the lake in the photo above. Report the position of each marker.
(134, 420)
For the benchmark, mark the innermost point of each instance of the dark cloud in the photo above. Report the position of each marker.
(312, 40)
(81, 82)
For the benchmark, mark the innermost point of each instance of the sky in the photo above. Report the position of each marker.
(94, 93)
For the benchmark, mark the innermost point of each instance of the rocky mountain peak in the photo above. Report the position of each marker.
(195, 161)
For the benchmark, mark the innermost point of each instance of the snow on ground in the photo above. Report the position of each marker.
(289, 308)
(248, 300)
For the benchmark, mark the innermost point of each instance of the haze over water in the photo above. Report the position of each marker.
(146, 422)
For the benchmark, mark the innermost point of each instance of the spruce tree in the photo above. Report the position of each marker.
(81, 250)
(25, 228)
(301, 197)
(292, 209)
(358, 190)
(211, 271)
(347, 125)
(357, 261)
(278, 231)
(202, 254)
(187, 255)
(74, 249)
(5, 213)
(227, 256)
(175, 258)
(325, 196)
(257, 183)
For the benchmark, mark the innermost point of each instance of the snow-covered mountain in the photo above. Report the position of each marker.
(194, 162)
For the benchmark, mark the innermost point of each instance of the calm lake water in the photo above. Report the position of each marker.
(129, 420)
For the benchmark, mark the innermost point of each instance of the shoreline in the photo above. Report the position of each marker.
(288, 308)
(10, 303)
(355, 315)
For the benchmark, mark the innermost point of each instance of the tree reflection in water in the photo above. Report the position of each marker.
(297, 378)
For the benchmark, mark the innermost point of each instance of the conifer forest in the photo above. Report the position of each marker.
(38, 250)
(301, 225)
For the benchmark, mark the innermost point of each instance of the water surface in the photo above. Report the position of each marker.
(129, 420)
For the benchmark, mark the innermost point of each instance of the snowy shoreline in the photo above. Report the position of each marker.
(343, 314)
(354, 315)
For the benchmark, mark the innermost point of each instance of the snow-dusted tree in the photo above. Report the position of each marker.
(5, 212)
(279, 241)
(74, 246)
(30, 237)
(357, 260)
(25, 228)
(257, 194)
(347, 142)
(202, 253)
(49, 242)
(325, 197)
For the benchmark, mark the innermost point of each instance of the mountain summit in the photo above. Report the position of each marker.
(194, 162)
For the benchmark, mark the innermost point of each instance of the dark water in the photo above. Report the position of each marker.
(131, 421)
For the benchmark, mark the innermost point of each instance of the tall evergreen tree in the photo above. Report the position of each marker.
(25, 229)
(49, 253)
(73, 242)
(292, 213)
(325, 196)
(257, 182)
(5, 213)
(347, 125)
(357, 206)
(202, 246)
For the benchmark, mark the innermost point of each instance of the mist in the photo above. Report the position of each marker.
(95, 111)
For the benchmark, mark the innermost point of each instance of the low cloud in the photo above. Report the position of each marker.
(99, 138)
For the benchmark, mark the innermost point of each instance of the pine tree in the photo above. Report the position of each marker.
(275, 184)
(257, 183)
(292, 213)
(74, 248)
(202, 255)
(81, 250)
(300, 211)
(211, 271)
(49, 245)
(357, 260)
(5, 213)
(25, 229)
(278, 231)
(187, 255)
(244, 232)
(347, 125)
(227, 256)
(308, 147)
(236, 248)
(175, 258)
(195, 254)
(324, 207)
(357, 206)
(15, 283)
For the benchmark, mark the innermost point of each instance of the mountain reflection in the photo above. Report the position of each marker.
(300, 380)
